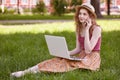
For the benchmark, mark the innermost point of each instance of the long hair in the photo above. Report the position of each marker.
(78, 24)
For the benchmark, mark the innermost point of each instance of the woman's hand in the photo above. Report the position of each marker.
(88, 23)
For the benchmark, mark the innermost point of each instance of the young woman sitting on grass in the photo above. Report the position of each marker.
(88, 42)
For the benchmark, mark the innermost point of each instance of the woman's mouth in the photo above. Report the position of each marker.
(81, 20)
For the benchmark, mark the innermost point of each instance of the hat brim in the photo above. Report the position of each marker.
(94, 14)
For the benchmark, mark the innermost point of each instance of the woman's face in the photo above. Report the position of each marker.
(83, 15)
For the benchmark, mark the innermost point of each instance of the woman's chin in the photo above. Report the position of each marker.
(82, 21)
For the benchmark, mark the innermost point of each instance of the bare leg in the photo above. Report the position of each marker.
(33, 69)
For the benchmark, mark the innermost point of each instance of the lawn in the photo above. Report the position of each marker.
(34, 17)
(67, 16)
(23, 46)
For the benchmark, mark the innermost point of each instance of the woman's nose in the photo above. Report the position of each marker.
(80, 16)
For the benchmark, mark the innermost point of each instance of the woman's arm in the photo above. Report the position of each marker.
(90, 44)
(77, 49)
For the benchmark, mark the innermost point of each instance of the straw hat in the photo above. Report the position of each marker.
(89, 7)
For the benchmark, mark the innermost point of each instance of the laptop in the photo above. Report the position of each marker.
(57, 47)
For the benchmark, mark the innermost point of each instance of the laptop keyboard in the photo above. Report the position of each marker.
(74, 57)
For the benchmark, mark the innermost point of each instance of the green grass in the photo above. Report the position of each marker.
(23, 46)
(46, 17)
(34, 17)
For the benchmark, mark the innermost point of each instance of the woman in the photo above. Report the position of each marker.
(88, 42)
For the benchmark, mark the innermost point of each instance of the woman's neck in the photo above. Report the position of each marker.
(82, 33)
(83, 24)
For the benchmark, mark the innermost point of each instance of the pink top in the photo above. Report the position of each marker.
(97, 46)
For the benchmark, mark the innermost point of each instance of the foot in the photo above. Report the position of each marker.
(17, 74)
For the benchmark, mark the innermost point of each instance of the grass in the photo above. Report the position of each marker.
(23, 46)
(46, 17)
(34, 17)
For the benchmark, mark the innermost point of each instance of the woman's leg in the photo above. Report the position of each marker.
(33, 69)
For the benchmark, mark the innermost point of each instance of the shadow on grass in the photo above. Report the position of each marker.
(22, 50)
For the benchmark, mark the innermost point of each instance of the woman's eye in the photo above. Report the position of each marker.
(84, 13)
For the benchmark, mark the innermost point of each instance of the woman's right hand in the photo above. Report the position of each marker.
(88, 24)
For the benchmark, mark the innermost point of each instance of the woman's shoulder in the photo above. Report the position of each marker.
(97, 28)
(97, 31)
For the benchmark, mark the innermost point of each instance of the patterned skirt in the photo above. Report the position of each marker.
(92, 62)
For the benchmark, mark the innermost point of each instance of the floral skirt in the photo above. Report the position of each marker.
(92, 62)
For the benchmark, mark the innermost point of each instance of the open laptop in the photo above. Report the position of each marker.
(57, 47)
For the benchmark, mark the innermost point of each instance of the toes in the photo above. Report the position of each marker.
(17, 74)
